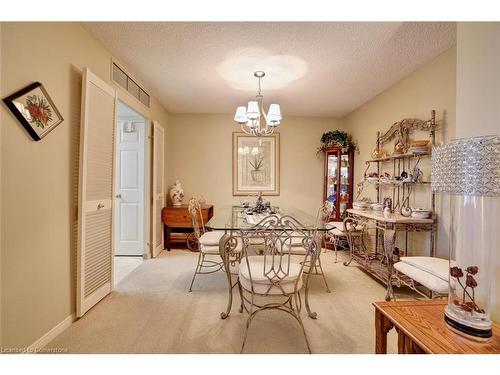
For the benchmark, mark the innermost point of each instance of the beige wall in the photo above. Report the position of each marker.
(199, 154)
(478, 79)
(478, 105)
(432, 86)
(39, 179)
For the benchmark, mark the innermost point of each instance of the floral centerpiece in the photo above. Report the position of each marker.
(336, 138)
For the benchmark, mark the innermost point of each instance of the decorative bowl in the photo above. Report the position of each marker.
(377, 206)
(360, 205)
(420, 143)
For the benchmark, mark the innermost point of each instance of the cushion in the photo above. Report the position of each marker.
(211, 238)
(297, 238)
(427, 279)
(337, 228)
(212, 249)
(435, 266)
(209, 249)
(261, 284)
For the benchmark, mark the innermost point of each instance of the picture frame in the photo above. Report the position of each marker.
(34, 109)
(256, 164)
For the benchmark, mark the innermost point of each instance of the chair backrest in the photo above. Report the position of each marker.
(277, 234)
(324, 214)
(350, 227)
(194, 209)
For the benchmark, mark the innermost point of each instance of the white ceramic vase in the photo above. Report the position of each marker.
(176, 193)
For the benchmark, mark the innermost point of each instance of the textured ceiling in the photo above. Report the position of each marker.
(313, 68)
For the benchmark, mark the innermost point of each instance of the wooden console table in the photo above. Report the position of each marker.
(177, 220)
(421, 329)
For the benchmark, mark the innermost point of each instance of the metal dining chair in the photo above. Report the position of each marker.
(276, 273)
(337, 234)
(324, 213)
(209, 259)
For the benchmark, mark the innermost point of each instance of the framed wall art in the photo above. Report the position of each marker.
(256, 164)
(35, 110)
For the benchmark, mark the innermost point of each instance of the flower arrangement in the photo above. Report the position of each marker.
(471, 283)
(336, 138)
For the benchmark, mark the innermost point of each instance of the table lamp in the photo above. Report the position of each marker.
(467, 171)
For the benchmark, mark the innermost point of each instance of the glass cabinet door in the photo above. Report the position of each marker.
(332, 180)
(345, 188)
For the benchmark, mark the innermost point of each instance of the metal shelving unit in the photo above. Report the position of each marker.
(376, 261)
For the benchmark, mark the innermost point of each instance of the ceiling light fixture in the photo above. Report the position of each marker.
(250, 117)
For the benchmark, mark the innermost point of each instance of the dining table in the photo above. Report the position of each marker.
(233, 219)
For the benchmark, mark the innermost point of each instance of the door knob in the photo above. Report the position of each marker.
(118, 196)
(100, 205)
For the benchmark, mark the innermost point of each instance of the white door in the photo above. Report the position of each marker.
(129, 189)
(158, 188)
(95, 198)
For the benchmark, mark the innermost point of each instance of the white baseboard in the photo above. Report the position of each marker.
(52, 334)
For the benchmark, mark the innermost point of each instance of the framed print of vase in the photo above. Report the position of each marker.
(256, 162)
(35, 110)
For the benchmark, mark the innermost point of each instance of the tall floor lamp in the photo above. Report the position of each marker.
(468, 171)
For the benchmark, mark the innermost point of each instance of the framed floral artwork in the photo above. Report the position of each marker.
(35, 110)
(256, 164)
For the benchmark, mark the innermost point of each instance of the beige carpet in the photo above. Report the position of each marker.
(151, 311)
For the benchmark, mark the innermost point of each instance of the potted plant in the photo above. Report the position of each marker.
(336, 138)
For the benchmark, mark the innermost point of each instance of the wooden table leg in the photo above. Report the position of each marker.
(168, 231)
(406, 345)
(382, 326)
(401, 341)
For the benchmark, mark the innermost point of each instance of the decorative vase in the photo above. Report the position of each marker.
(468, 171)
(176, 193)
(387, 212)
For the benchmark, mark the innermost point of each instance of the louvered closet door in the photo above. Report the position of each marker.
(158, 187)
(95, 201)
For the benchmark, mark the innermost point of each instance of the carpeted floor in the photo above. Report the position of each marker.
(151, 311)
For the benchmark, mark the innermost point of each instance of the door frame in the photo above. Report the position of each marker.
(147, 174)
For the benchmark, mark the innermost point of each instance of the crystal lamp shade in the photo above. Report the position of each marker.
(253, 110)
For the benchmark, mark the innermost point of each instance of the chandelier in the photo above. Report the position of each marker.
(250, 117)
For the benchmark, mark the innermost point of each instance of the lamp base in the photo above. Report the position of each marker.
(469, 332)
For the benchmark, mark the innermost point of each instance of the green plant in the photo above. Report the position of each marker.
(336, 138)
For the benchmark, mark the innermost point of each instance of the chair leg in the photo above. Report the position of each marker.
(249, 320)
(201, 257)
(323, 274)
(335, 244)
(299, 319)
(241, 296)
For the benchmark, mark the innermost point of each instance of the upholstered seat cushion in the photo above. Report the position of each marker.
(214, 249)
(432, 280)
(435, 266)
(340, 233)
(209, 249)
(211, 238)
(261, 283)
(336, 228)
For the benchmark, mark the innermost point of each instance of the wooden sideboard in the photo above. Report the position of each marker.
(421, 329)
(177, 220)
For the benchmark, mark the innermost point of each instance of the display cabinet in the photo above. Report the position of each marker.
(338, 180)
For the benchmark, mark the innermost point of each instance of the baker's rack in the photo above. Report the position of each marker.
(376, 262)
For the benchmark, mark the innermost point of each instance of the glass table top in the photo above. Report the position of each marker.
(236, 217)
